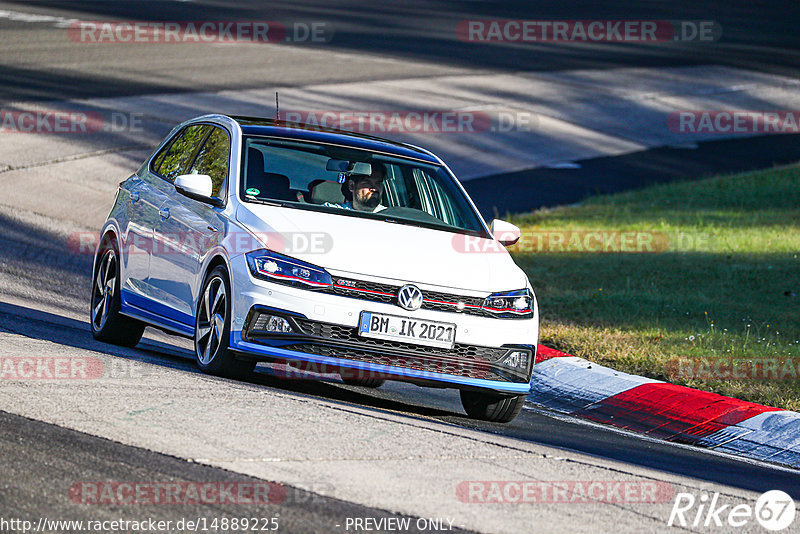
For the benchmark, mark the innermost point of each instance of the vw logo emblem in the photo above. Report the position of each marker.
(409, 297)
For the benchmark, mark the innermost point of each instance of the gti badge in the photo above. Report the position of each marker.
(409, 297)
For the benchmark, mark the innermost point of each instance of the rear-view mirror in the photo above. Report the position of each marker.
(349, 167)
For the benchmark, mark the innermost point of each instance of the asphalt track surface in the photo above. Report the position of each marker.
(397, 40)
(531, 425)
(55, 458)
(41, 461)
(402, 39)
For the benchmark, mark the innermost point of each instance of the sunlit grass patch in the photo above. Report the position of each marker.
(722, 284)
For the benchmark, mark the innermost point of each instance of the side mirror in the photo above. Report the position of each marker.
(506, 233)
(197, 187)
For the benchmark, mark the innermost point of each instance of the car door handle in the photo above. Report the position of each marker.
(134, 197)
(164, 213)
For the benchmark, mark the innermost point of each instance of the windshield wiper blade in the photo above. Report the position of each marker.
(280, 203)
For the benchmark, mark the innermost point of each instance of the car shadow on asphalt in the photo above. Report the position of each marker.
(74, 333)
(530, 426)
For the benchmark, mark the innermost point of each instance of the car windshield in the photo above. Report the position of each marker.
(317, 177)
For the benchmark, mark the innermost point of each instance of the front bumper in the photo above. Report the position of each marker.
(336, 346)
(324, 335)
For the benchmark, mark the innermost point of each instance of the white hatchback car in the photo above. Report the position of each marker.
(319, 249)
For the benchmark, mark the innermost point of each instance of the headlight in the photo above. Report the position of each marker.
(510, 304)
(275, 267)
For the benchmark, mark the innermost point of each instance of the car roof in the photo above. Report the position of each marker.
(321, 134)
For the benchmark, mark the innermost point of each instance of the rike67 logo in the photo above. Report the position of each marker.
(774, 510)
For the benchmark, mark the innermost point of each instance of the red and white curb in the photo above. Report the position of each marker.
(661, 410)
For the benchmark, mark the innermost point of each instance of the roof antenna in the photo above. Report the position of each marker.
(277, 108)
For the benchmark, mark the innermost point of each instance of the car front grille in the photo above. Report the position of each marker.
(386, 293)
(466, 369)
(350, 336)
(337, 341)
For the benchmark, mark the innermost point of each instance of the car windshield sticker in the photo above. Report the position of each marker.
(252, 191)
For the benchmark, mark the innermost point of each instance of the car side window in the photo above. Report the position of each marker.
(180, 153)
(159, 159)
(213, 159)
(435, 200)
(394, 190)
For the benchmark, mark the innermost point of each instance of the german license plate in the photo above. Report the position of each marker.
(396, 328)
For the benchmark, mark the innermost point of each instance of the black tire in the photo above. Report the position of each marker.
(493, 407)
(364, 382)
(212, 328)
(107, 323)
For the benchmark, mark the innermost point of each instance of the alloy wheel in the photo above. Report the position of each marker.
(211, 320)
(105, 284)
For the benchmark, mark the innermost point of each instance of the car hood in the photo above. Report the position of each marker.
(377, 248)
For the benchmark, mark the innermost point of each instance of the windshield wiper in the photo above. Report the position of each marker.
(280, 203)
(426, 224)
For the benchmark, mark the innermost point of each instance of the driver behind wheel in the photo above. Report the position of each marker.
(364, 193)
